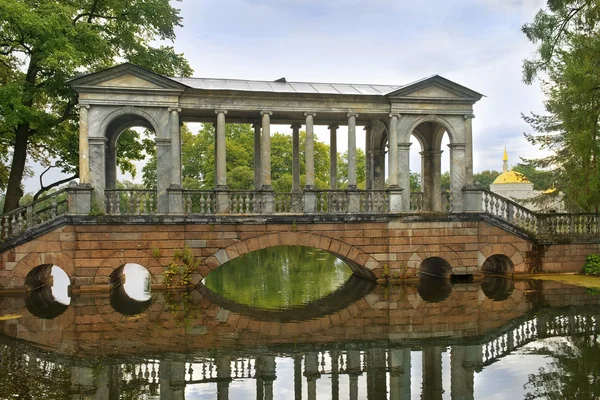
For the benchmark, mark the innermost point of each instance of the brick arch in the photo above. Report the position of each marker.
(33, 260)
(119, 258)
(432, 250)
(506, 249)
(360, 262)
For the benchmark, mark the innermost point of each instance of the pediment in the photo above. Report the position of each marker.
(435, 88)
(123, 77)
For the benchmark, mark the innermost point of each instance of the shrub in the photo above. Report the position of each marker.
(592, 265)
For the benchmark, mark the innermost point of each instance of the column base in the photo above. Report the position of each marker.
(353, 200)
(395, 200)
(310, 200)
(79, 198)
(175, 199)
(222, 199)
(267, 201)
(297, 201)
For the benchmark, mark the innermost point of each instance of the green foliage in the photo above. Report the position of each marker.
(485, 178)
(541, 179)
(415, 182)
(183, 264)
(569, 57)
(592, 265)
(46, 42)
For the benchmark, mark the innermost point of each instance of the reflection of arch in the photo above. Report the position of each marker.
(497, 288)
(354, 288)
(498, 264)
(359, 262)
(435, 267)
(433, 289)
(42, 304)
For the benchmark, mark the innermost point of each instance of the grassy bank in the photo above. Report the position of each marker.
(578, 280)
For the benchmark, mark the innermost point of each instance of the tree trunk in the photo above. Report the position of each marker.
(14, 192)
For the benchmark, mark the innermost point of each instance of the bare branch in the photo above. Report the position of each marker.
(52, 185)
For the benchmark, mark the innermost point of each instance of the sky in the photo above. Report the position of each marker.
(476, 43)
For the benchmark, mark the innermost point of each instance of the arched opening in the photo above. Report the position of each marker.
(48, 291)
(436, 267)
(429, 167)
(497, 287)
(130, 289)
(498, 264)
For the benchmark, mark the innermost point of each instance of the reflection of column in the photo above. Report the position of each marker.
(164, 379)
(335, 376)
(432, 373)
(311, 372)
(83, 385)
(102, 383)
(333, 178)
(298, 377)
(541, 326)
(378, 169)
(257, 158)
(223, 378)
(354, 370)
(376, 374)
(114, 379)
(352, 150)
(464, 361)
(400, 374)
(265, 375)
(178, 380)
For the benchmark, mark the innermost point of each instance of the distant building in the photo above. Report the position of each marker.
(515, 186)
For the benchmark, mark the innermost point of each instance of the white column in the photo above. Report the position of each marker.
(393, 152)
(266, 150)
(457, 174)
(333, 178)
(404, 174)
(436, 201)
(427, 181)
(309, 155)
(84, 151)
(368, 165)
(432, 373)
(469, 149)
(257, 158)
(221, 160)
(352, 150)
(175, 146)
(399, 360)
(295, 157)
(97, 178)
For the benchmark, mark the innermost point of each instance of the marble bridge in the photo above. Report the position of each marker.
(384, 231)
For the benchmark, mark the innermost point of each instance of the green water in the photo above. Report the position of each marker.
(279, 277)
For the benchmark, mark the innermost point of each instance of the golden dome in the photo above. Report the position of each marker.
(511, 177)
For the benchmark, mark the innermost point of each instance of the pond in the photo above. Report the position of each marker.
(295, 323)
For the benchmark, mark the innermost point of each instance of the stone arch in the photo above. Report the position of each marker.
(113, 115)
(360, 262)
(506, 249)
(433, 250)
(435, 266)
(379, 134)
(405, 135)
(33, 260)
(118, 259)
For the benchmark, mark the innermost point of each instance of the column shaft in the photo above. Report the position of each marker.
(368, 165)
(84, 162)
(352, 150)
(175, 147)
(404, 174)
(333, 178)
(257, 158)
(436, 199)
(295, 157)
(469, 149)
(400, 374)
(309, 154)
(97, 149)
(221, 160)
(111, 165)
(457, 175)
(378, 169)
(432, 373)
(427, 179)
(266, 150)
(393, 161)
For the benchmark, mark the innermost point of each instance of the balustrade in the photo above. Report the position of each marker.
(199, 202)
(416, 201)
(244, 202)
(374, 201)
(130, 201)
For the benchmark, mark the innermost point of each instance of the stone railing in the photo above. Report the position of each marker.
(416, 201)
(199, 202)
(332, 201)
(374, 201)
(509, 211)
(244, 202)
(34, 214)
(130, 201)
(568, 224)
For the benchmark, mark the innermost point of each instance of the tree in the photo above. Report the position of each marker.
(485, 178)
(43, 43)
(540, 178)
(569, 57)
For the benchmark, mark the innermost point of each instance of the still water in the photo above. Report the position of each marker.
(293, 323)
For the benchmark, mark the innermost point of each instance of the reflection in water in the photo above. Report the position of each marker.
(359, 342)
(497, 287)
(279, 277)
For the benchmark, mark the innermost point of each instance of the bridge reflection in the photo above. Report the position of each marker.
(391, 339)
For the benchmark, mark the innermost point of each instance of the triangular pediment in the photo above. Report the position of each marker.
(125, 76)
(435, 88)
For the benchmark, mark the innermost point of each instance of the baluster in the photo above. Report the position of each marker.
(14, 226)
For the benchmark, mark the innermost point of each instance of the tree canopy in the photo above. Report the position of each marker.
(43, 43)
(567, 65)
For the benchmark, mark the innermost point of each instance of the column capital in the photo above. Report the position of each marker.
(98, 140)
(333, 127)
(404, 146)
(312, 114)
(352, 114)
(431, 153)
(266, 112)
(458, 146)
(393, 114)
(220, 111)
(162, 141)
(295, 126)
(469, 116)
(176, 109)
(82, 105)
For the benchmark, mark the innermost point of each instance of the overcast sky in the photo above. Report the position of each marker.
(476, 43)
